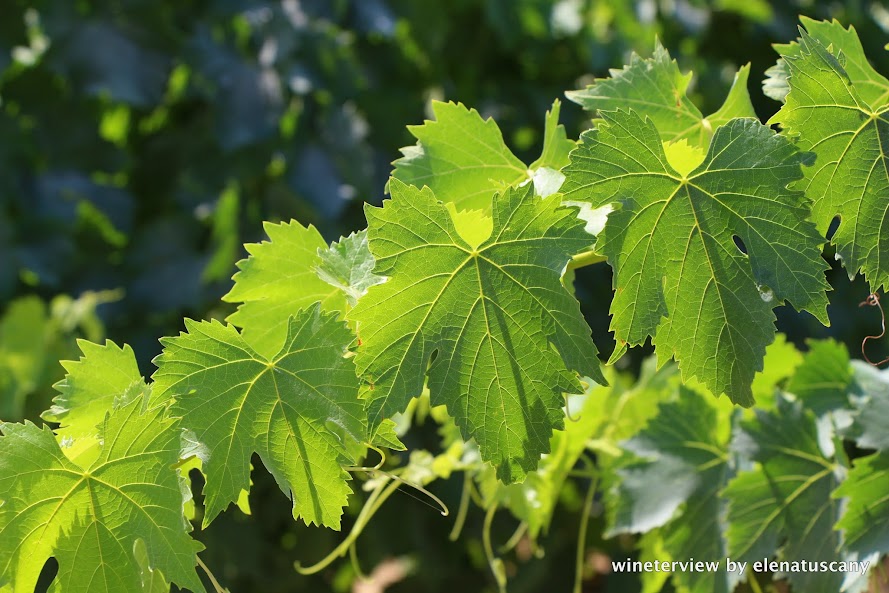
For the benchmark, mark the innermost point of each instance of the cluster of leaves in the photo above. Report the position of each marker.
(458, 288)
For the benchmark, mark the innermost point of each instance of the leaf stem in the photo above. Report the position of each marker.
(587, 258)
(584, 522)
(219, 588)
(463, 509)
(751, 580)
(495, 563)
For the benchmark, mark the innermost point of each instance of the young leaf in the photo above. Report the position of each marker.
(276, 281)
(865, 522)
(656, 88)
(461, 156)
(679, 461)
(90, 519)
(464, 159)
(675, 244)
(787, 498)
(871, 421)
(845, 122)
(102, 375)
(842, 43)
(507, 338)
(822, 380)
(297, 410)
(348, 265)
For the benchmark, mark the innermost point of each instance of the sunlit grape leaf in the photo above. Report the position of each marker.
(656, 88)
(556, 144)
(845, 122)
(277, 280)
(675, 244)
(680, 460)
(865, 522)
(783, 506)
(103, 374)
(348, 265)
(505, 339)
(90, 519)
(842, 43)
(822, 380)
(297, 410)
(781, 360)
(464, 159)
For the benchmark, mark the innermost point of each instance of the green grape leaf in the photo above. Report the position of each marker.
(822, 380)
(680, 275)
(298, 410)
(91, 519)
(847, 128)
(277, 280)
(556, 144)
(679, 460)
(91, 386)
(507, 338)
(787, 497)
(656, 88)
(865, 522)
(842, 43)
(464, 159)
(348, 265)
(461, 156)
(781, 360)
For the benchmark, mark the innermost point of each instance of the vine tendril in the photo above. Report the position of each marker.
(873, 300)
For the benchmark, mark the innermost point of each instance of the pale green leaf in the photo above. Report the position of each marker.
(277, 280)
(23, 344)
(91, 386)
(678, 464)
(865, 522)
(297, 410)
(783, 506)
(679, 275)
(822, 380)
(871, 424)
(556, 144)
(348, 265)
(656, 89)
(781, 360)
(847, 128)
(90, 519)
(460, 156)
(508, 339)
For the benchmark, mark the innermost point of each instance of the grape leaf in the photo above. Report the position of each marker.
(90, 519)
(277, 280)
(91, 386)
(679, 460)
(656, 88)
(847, 128)
(679, 275)
(464, 159)
(348, 265)
(865, 522)
(842, 43)
(871, 421)
(822, 380)
(298, 410)
(507, 337)
(787, 498)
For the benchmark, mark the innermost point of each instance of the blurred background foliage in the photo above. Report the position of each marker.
(142, 142)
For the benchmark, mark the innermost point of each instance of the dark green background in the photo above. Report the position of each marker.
(143, 141)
